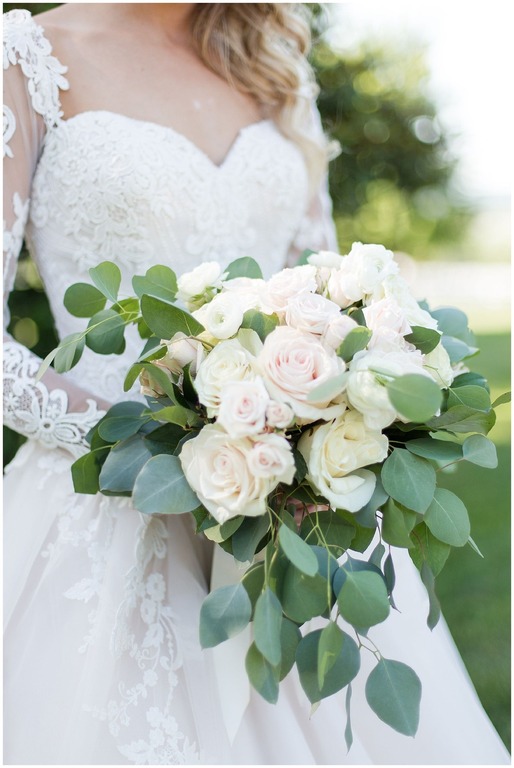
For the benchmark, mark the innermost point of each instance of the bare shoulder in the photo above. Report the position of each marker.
(67, 25)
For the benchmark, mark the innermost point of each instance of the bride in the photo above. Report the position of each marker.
(149, 133)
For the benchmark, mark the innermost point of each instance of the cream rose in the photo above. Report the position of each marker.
(360, 274)
(293, 364)
(288, 283)
(271, 457)
(395, 287)
(216, 467)
(222, 316)
(310, 312)
(367, 392)
(182, 351)
(251, 292)
(196, 287)
(228, 362)
(278, 415)
(243, 405)
(337, 329)
(335, 454)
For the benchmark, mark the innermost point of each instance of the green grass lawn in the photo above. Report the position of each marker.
(475, 592)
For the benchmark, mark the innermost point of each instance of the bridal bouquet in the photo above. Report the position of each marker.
(300, 420)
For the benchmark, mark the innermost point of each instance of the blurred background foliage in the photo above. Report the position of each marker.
(393, 183)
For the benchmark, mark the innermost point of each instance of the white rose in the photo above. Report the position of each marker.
(222, 316)
(149, 387)
(386, 313)
(327, 259)
(437, 364)
(368, 394)
(183, 350)
(310, 312)
(227, 362)
(293, 364)
(361, 273)
(288, 283)
(335, 454)
(337, 330)
(278, 415)
(271, 457)
(251, 292)
(242, 410)
(192, 286)
(395, 287)
(216, 467)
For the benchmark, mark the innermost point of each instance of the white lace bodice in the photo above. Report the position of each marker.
(102, 185)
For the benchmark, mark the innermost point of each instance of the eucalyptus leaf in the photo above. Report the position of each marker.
(452, 322)
(123, 464)
(69, 352)
(262, 675)
(165, 320)
(259, 322)
(457, 350)
(290, 636)
(462, 418)
(502, 399)
(428, 548)
(244, 267)
(247, 537)
(415, 397)
(85, 471)
(328, 389)
(363, 600)
(302, 597)
(224, 613)
(354, 342)
(107, 278)
(470, 396)
(253, 582)
(343, 670)
(159, 281)
(479, 450)
(267, 622)
(389, 574)
(393, 691)
(328, 528)
(119, 427)
(348, 734)
(448, 519)
(297, 551)
(397, 523)
(431, 448)
(409, 479)
(105, 332)
(329, 649)
(161, 488)
(83, 300)
(424, 339)
(434, 611)
(176, 414)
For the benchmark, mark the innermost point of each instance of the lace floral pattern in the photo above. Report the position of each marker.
(39, 413)
(9, 129)
(26, 45)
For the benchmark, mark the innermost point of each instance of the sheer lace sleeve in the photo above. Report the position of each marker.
(52, 411)
(317, 229)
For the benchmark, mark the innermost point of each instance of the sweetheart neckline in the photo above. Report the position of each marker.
(174, 132)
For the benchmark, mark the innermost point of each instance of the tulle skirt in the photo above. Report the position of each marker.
(103, 664)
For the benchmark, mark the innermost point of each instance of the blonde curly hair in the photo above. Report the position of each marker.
(261, 49)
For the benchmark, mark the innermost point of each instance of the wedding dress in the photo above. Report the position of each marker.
(102, 659)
